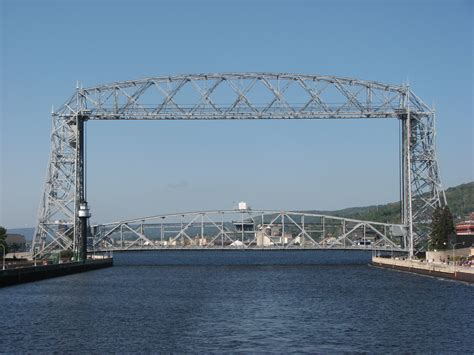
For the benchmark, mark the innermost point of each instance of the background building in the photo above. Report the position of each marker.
(465, 231)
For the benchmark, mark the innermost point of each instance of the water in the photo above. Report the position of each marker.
(302, 301)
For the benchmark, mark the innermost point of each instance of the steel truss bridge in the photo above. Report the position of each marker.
(63, 216)
(247, 229)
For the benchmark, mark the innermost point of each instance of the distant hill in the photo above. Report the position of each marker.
(460, 200)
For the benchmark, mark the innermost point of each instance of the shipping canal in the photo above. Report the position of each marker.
(214, 301)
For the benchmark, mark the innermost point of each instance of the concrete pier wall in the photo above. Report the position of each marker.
(35, 273)
(460, 273)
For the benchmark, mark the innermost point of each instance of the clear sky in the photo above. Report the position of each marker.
(146, 168)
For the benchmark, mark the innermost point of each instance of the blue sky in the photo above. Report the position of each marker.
(145, 168)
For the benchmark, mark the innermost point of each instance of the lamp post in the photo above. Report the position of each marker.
(3, 262)
(454, 245)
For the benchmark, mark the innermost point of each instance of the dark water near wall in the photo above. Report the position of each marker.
(239, 301)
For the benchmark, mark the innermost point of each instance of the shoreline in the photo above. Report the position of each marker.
(451, 272)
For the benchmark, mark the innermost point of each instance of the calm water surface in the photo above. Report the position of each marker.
(321, 302)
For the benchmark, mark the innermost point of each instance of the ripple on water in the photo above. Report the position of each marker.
(235, 301)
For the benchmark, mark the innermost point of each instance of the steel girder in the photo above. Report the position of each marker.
(236, 96)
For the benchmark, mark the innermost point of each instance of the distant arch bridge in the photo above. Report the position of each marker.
(247, 229)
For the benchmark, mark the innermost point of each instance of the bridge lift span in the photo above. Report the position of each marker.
(62, 222)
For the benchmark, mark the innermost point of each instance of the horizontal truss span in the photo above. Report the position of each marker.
(248, 229)
(242, 96)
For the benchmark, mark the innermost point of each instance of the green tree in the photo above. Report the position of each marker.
(436, 230)
(3, 236)
(442, 227)
(449, 221)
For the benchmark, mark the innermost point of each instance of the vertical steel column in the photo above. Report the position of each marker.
(161, 231)
(324, 227)
(242, 225)
(82, 211)
(222, 230)
(303, 230)
(121, 235)
(364, 238)
(344, 231)
(403, 181)
(409, 178)
(181, 230)
(282, 229)
(407, 213)
(202, 228)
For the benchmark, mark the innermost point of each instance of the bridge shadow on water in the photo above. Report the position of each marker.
(241, 258)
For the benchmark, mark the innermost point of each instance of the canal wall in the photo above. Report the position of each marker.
(460, 273)
(11, 277)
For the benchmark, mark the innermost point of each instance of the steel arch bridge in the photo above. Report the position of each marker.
(247, 229)
(63, 213)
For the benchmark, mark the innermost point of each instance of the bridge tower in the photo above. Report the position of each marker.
(420, 182)
(63, 215)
